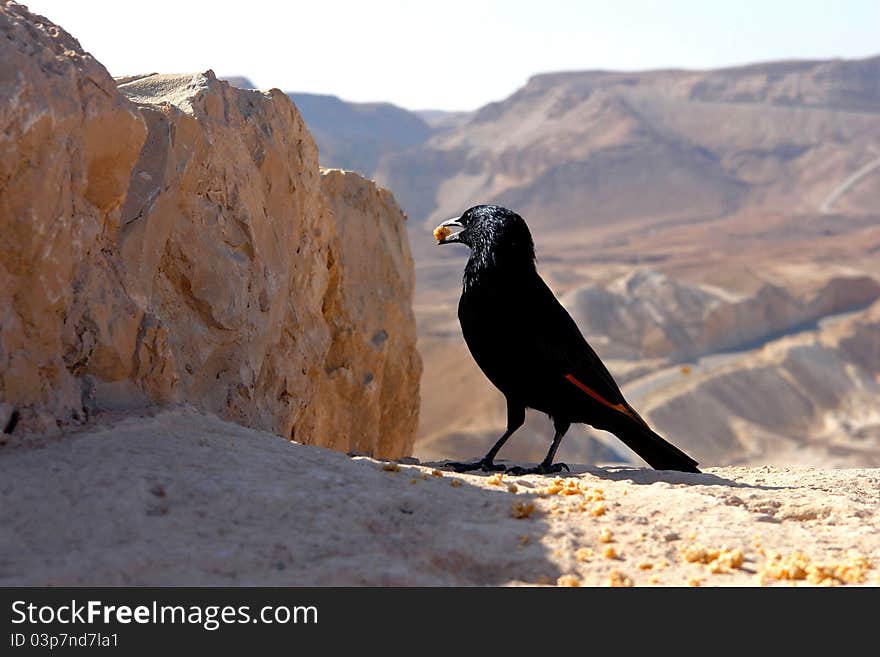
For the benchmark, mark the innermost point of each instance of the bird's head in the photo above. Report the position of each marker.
(492, 232)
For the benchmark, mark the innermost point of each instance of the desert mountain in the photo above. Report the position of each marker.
(679, 214)
(357, 136)
(570, 148)
(442, 120)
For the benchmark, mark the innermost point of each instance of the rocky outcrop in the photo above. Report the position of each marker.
(226, 239)
(68, 142)
(369, 382)
(648, 314)
(193, 255)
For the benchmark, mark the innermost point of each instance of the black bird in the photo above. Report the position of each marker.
(530, 348)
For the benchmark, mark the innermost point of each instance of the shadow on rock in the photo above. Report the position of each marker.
(643, 476)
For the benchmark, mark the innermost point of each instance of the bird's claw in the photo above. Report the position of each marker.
(541, 468)
(482, 464)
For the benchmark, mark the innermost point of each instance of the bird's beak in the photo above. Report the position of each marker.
(443, 233)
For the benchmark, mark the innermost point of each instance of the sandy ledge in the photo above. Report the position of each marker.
(176, 497)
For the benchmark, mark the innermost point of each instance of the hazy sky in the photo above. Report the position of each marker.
(448, 54)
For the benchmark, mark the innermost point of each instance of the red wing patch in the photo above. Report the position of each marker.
(620, 408)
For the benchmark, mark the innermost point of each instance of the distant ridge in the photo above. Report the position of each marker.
(357, 136)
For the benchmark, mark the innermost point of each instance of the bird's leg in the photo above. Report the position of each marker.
(486, 464)
(547, 466)
(516, 416)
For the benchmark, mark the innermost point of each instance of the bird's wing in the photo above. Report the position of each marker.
(562, 353)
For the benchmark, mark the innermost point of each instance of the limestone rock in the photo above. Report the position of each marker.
(370, 377)
(172, 241)
(226, 240)
(68, 141)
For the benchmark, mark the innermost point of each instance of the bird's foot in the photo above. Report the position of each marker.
(541, 468)
(482, 464)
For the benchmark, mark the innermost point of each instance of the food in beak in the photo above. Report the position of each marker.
(441, 233)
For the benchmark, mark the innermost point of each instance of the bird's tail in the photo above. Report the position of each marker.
(657, 452)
